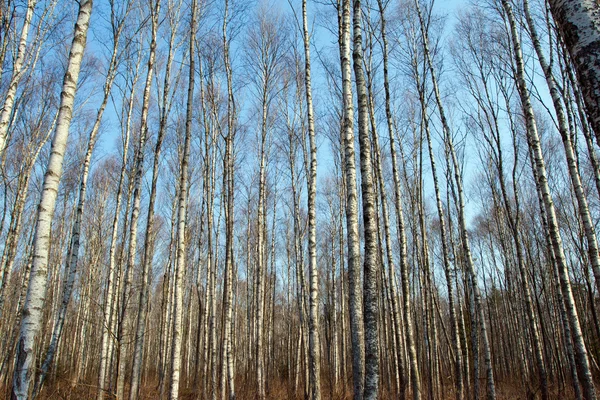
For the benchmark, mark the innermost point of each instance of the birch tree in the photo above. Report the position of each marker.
(354, 275)
(228, 185)
(24, 375)
(148, 256)
(136, 200)
(479, 267)
(578, 23)
(314, 343)
(73, 256)
(371, 312)
(17, 74)
(582, 360)
(182, 215)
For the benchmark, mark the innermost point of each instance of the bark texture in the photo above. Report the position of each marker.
(24, 373)
(579, 25)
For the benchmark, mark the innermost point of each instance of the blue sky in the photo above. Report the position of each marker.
(110, 137)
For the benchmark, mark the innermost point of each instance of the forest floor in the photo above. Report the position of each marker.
(61, 388)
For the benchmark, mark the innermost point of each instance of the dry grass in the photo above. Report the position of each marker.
(61, 388)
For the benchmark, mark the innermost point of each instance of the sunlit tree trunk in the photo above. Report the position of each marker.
(182, 216)
(371, 267)
(491, 388)
(73, 252)
(533, 140)
(135, 212)
(17, 73)
(108, 306)
(578, 22)
(314, 343)
(228, 373)
(354, 275)
(24, 373)
(148, 254)
(408, 331)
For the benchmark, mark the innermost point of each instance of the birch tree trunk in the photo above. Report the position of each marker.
(108, 306)
(148, 255)
(491, 388)
(210, 307)
(533, 140)
(572, 163)
(182, 215)
(351, 207)
(578, 22)
(371, 267)
(135, 212)
(17, 74)
(314, 343)
(408, 328)
(73, 254)
(228, 187)
(445, 253)
(24, 373)
(260, 233)
(167, 330)
(394, 299)
(354, 275)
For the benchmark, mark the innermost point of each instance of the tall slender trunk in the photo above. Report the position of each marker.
(17, 74)
(24, 373)
(314, 342)
(108, 307)
(135, 212)
(335, 358)
(578, 22)
(148, 256)
(260, 254)
(533, 140)
(353, 241)
(168, 302)
(445, 253)
(371, 267)
(408, 328)
(73, 254)
(491, 388)
(228, 188)
(182, 215)
(210, 307)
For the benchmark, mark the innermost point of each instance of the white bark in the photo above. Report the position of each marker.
(36, 293)
(354, 275)
(228, 370)
(314, 343)
(579, 24)
(260, 252)
(135, 212)
(491, 387)
(17, 74)
(533, 140)
(445, 255)
(408, 327)
(148, 255)
(108, 306)
(73, 254)
(371, 265)
(181, 223)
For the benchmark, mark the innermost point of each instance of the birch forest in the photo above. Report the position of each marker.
(299, 199)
